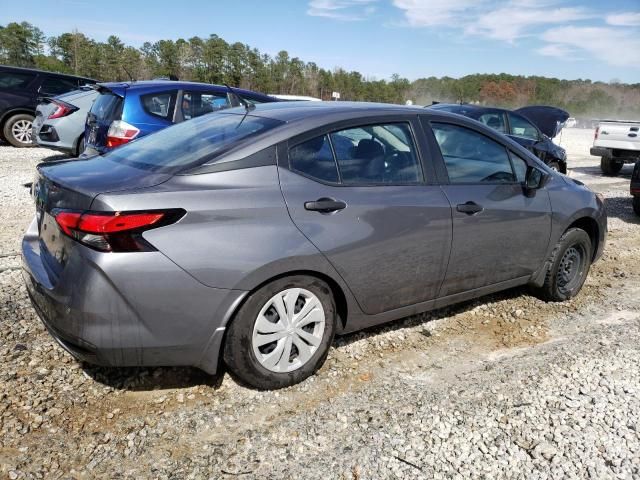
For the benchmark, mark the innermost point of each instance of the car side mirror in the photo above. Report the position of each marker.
(534, 180)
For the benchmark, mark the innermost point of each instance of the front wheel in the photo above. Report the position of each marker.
(570, 262)
(17, 130)
(282, 333)
(554, 166)
(636, 205)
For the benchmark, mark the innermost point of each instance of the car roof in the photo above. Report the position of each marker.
(43, 72)
(465, 108)
(300, 110)
(177, 84)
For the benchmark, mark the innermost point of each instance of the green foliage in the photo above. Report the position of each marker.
(213, 60)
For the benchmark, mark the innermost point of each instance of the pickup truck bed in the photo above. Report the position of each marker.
(616, 143)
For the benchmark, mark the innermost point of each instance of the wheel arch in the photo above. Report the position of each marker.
(339, 296)
(591, 227)
(16, 111)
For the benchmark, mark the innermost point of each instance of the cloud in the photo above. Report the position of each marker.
(612, 46)
(556, 50)
(429, 13)
(345, 10)
(518, 19)
(625, 19)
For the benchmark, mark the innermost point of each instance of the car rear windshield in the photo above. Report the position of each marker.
(191, 143)
(107, 107)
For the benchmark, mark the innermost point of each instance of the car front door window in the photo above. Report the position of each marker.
(521, 127)
(471, 157)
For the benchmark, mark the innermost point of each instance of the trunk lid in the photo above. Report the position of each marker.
(622, 135)
(549, 120)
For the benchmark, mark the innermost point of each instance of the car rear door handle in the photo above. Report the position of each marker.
(325, 205)
(469, 208)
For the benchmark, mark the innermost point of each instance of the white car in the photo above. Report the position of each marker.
(616, 142)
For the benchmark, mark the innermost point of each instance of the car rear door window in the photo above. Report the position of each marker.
(159, 104)
(494, 120)
(377, 154)
(471, 157)
(195, 104)
(15, 80)
(53, 86)
(521, 127)
(314, 159)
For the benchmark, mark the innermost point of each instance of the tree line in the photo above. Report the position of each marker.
(213, 60)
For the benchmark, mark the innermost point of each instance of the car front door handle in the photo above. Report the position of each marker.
(469, 208)
(325, 205)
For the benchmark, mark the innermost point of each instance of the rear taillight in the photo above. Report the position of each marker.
(120, 132)
(114, 231)
(595, 135)
(62, 109)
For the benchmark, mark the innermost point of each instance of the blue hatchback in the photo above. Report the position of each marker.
(126, 111)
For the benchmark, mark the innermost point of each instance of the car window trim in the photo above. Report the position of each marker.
(412, 121)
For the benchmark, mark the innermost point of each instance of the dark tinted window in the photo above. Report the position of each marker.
(471, 157)
(192, 143)
(195, 104)
(159, 104)
(57, 86)
(377, 154)
(14, 80)
(521, 127)
(314, 159)
(494, 120)
(107, 107)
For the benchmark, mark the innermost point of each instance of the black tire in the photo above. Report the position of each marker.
(238, 348)
(570, 262)
(555, 166)
(610, 166)
(8, 130)
(80, 147)
(636, 205)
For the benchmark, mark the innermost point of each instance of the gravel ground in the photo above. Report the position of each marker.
(506, 386)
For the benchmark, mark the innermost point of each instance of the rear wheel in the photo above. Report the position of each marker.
(636, 205)
(610, 166)
(570, 262)
(282, 333)
(17, 130)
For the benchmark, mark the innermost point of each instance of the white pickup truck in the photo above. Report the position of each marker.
(616, 143)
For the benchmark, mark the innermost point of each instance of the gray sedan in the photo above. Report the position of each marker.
(60, 121)
(253, 236)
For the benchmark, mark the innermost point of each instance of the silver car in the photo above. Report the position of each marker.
(60, 121)
(253, 236)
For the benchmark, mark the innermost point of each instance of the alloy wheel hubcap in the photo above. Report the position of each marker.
(288, 330)
(21, 131)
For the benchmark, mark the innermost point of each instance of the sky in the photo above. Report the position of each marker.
(599, 40)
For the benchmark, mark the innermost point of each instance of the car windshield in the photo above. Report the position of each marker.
(191, 143)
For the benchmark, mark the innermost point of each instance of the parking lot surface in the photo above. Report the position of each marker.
(505, 386)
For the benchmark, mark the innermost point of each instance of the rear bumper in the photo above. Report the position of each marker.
(132, 309)
(626, 156)
(47, 136)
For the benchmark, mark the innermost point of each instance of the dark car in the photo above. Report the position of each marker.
(20, 91)
(254, 235)
(532, 127)
(635, 187)
(126, 111)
